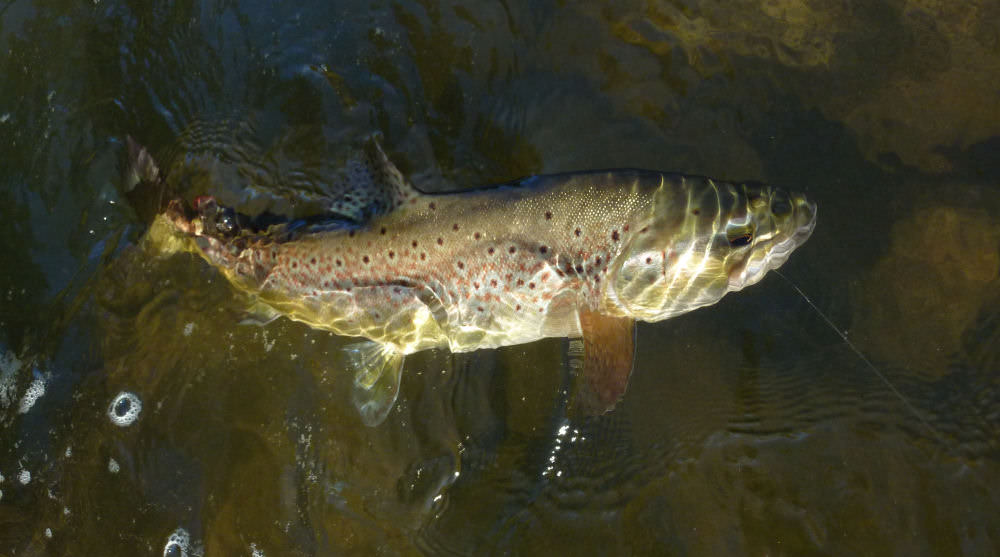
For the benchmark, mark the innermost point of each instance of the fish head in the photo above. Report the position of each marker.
(706, 239)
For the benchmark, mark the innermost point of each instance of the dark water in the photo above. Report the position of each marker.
(749, 428)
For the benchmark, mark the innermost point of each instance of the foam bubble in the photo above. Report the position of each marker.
(48, 533)
(178, 544)
(34, 391)
(24, 477)
(124, 409)
(113, 466)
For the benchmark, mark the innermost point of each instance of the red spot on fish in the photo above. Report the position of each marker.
(531, 285)
(454, 226)
(520, 282)
(626, 228)
(423, 256)
(477, 235)
(414, 244)
(480, 308)
(518, 308)
(490, 251)
(476, 284)
(493, 283)
(461, 265)
(440, 242)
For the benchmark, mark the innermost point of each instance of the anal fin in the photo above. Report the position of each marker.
(377, 370)
(603, 362)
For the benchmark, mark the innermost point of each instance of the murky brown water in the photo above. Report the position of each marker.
(749, 427)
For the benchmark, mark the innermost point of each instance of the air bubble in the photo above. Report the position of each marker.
(124, 409)
(178, 544)
(113, 466)
(24, 477)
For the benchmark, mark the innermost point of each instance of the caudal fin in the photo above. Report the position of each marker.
(142, 183)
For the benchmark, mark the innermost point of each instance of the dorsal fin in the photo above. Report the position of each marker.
(369, 185)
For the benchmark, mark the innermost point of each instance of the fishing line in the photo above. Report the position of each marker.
(871, 366)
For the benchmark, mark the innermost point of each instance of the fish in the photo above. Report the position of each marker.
(580, 255)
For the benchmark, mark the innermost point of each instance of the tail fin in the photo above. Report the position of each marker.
(142, 184)
(377, 369)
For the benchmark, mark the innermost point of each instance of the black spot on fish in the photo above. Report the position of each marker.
(695, 212)
(512, 249)
(490, 251)
(382, 232)
(614, 235)
(414, 244)
(531, 285)
(477, 235)
(461, 265)
(440, 242)
(577, 232)
(548, 215)
(454, 226)
(543, 249)
(365, 259)
(392, 254)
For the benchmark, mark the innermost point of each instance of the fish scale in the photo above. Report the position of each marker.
(494, 264)
(569, 255)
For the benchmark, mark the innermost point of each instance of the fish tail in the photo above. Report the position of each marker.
(142, 183)
(377, 369)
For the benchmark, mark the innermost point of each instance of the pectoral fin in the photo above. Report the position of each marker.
(603, 361)
(377, 369)
(259, 313)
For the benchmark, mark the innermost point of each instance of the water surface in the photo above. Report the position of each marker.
(749, 427)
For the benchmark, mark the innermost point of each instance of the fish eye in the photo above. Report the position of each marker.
(739, 236)
(780, 206)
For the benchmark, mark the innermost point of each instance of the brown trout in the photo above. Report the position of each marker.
(580, 255)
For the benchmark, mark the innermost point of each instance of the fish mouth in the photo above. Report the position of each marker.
(754, 268)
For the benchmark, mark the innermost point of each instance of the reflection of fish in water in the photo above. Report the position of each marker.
(579, 255)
